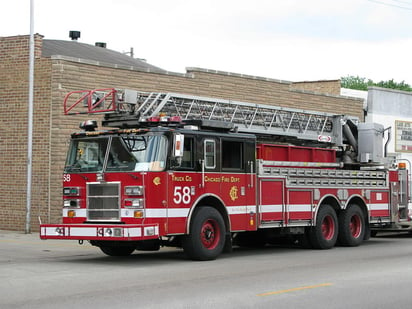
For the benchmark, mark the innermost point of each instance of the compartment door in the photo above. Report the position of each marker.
(271, 201)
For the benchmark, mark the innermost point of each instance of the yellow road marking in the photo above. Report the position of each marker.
(295, 289)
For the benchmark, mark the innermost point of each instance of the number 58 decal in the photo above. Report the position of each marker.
(66, 177)
(181, 195)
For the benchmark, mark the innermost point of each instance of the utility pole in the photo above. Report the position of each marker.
(30, 120)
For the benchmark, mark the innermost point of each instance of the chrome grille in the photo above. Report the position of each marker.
(103, 201)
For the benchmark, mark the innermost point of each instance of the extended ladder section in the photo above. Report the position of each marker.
(128, 108)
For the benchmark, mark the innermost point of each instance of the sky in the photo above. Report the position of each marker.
(292, 40)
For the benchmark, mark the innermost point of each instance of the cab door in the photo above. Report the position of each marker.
(238, 182)
(183, 188)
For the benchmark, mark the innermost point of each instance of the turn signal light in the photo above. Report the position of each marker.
(138, 214)
(71, 214)
(402, 165)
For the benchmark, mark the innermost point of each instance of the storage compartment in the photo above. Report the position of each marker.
(271, 152)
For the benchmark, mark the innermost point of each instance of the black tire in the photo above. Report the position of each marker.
(117, 251)
(352, 226)
(207, 234)
(325, 232)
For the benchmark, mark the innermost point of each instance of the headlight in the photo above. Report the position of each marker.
(134, 190)
(71, 191)
(71, 203)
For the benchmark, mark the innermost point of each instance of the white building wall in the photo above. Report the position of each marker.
(392, 108)
(389, 107)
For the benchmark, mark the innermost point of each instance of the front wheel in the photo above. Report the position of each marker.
(206, 237)
(352, 226)
(325, 232)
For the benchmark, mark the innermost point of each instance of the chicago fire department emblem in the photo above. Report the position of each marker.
(156, 181)
(233, 193)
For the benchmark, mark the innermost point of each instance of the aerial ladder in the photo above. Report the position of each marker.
(127, 108)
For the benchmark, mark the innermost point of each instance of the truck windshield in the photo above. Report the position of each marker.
(125, 153)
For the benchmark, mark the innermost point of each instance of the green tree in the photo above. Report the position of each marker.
(361, 83)
(394, 85)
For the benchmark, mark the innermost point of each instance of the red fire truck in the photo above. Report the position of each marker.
(205, 174)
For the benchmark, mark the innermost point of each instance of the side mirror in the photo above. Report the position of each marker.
(178, 146)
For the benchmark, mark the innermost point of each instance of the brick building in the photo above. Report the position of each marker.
(63, 66)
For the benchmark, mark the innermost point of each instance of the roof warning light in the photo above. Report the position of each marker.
(88, 125)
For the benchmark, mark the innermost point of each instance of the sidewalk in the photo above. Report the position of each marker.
(17, 234)
(17, 240)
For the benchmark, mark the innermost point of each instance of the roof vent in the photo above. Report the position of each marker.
(74, 35)
(100, 44)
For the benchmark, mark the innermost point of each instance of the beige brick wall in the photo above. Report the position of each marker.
(14, 78)
(331, 87)
(54, 78)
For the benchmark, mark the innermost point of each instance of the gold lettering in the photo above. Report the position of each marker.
(178, 178)
(212, 179)
(181, 178)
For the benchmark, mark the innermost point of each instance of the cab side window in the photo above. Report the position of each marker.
(210, 153)
(232, 154)
(188, 160)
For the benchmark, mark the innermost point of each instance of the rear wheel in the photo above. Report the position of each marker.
(351, 226)
(117, 251)
(206, 237)
(325, 233)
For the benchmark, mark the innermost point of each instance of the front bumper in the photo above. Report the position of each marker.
(124, 232)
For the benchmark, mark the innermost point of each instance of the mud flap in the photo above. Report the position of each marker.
(228, 248)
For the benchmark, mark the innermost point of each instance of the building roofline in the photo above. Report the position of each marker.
(114, 66)
(389, 90)
(225, 73)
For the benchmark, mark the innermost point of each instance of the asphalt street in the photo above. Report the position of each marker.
(63, 274)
